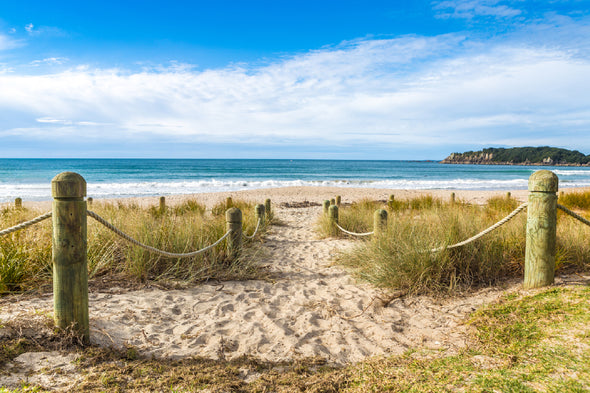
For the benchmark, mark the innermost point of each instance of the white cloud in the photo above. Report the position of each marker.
(50, 61)
(29, 28)
(469, 9)
(423, 91)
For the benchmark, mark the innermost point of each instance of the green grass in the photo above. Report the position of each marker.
(400, 259)
(25, 256)
(536, 341)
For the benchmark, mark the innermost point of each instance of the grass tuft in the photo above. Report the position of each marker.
(25, 256)
(401, 259)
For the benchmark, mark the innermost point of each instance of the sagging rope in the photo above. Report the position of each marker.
(574, 215)
(354, 234)
(149, 248)
(26, 224)
(255, 231)
(484, 232)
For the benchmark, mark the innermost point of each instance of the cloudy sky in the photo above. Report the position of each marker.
(304, 79)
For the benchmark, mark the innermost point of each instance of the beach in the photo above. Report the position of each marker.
(303, 307)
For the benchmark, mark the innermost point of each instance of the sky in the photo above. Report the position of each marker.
(393, 80)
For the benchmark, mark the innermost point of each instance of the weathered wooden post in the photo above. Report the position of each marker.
(390, 202)
(233, 218)
(508, 195)
(541, 229)
(259, 212)
(89, 201)
(70, 272)
(380, 222)
(326, 206)
(18, 203)
(452, 198)
(332, 202)
(338, 200)
(333, 218)
(162, 204)
(267, 209)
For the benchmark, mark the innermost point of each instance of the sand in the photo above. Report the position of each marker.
(307, 308)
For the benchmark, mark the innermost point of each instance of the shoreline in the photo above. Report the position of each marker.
(301, 194)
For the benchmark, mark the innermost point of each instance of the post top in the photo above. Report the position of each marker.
(68, 185)
(382, 213)
(543, 181)
(233, 214)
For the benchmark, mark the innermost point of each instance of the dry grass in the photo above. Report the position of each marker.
(25, 256)
(400, 259)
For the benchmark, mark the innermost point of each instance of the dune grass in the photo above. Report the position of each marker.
(401, 258)
(25, 256)
(575, 200)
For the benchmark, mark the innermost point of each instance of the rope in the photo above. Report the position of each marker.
(352, 233)
(255, 231)
(486, 231)
(149, 248)
(25, 224)
(574, 215)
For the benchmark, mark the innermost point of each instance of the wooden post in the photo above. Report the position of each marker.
(267, 209)
(229, 203)
(338, 200)
(259, 212)
(541, 228)
(390, 202)
(326, 206)
(452, 197)
(333, 217)
(380, 222)
(162, 204)
(332, 202)
(233, 218)
(508, 195)
(18, 203)
(89, 201)
(70, 272)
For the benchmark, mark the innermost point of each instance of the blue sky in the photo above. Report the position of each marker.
(306, 79)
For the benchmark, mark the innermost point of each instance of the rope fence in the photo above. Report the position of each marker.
(485, 231)
(255, 231)
(70, 254)
(574, 215)
(150, 248)
(26, 224)
(353, 233)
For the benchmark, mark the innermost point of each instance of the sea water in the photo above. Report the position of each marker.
(30, 179)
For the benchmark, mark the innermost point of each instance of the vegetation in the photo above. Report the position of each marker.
(401, 258)
(25, 256)
(535, 342)
(576, 200)
(520, 155)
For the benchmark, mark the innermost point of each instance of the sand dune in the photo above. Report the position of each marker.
(307, 307)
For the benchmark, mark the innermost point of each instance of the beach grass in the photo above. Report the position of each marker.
(25, 256)
(575, 200)
(401, 258)
(527, 341)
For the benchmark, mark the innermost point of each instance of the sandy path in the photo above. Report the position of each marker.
(307, 308)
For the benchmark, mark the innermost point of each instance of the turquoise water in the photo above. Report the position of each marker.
(31, 178)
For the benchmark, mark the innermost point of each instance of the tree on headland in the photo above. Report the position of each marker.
(543, 155)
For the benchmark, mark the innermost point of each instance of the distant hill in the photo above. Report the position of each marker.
(544, 155)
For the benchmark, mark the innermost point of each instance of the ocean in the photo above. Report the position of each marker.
(30, 179)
